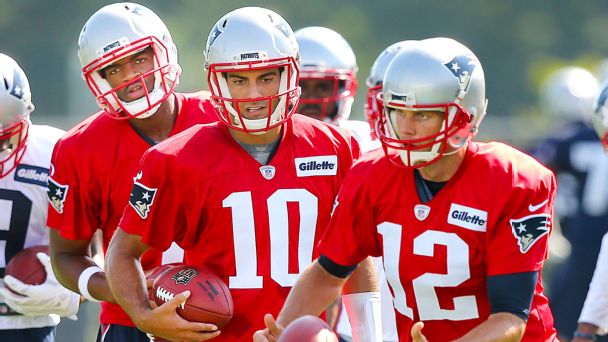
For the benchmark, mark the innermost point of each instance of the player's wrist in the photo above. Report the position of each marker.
(145, 320)
(584, 336)
(363, 311)
(586, 331)
(84, 279)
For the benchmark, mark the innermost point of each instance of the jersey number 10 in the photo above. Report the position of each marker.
(243, 228)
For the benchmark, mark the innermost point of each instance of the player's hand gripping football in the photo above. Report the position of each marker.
(163, 321)
(271, 333)
(49, 297)
(416, 332)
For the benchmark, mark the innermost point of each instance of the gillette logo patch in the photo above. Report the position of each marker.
(317, 166)
(467, 217)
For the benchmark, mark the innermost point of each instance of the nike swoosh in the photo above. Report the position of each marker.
(534, 208)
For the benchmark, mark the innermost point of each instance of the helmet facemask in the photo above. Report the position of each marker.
(420, 152)
(280, 106)
(343, 89)
(13, 142)
(165, 74)
(371, 109)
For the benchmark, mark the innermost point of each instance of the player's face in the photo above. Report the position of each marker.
(316, 89)
(256, 85)
(8, 141)
(126, 70)
(412, 125)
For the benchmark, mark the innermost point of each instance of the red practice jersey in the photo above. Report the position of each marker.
(492, 218)
(93, 167)
(255, 225)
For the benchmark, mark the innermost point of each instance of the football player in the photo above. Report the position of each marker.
(328, 80)
(28, 313)
(254, 206)
(462, 226)
(593, 318)
(129, 62)
(576, 156)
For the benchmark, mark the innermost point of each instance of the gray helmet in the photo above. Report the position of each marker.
(15, 108)
(600, 115)
(120, 30)
(438, 74)
(374, 80)
(327, 55)
(252, 38)
(569, 93)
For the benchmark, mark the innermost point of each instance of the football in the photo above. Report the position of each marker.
(152, 274)
(308, 329)
(26, 267)
(210, 300)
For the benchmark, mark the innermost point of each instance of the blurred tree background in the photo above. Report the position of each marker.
(518, 42)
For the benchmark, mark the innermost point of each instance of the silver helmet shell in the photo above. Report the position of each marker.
(117, 31)
(436, 74)
(253, 38)
(326, 55)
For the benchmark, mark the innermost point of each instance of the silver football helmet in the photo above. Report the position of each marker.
(600, 115)
(117, 31)
(252, 38)
(326, 55)
(374, 81)
(569, 93)
(438, 74)
(15, 108)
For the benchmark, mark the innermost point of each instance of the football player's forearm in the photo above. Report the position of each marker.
(500, 326)
(69, 258)
(126, 276)
(314, 291)
(363, 279)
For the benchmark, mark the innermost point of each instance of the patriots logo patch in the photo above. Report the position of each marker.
(462, 66)
(142, 199)
(56, 194)
(528, 230)
(184, 276)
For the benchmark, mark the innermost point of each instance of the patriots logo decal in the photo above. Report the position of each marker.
(19, 85)
(184, 276)
(528, 230)
(142, 199)
(601, 101)
(215, 32)
(462, 66)
(56, 194)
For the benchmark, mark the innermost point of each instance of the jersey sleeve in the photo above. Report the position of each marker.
(518, 242)
(349, 237)
(157, 209)
(73, 194)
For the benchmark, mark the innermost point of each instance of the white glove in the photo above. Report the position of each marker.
(49, 297)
